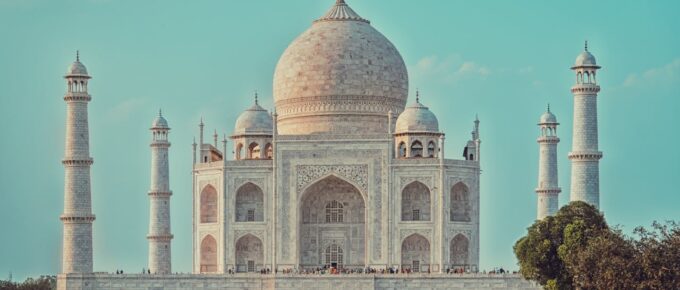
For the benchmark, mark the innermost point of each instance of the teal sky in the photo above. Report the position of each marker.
(504, 60)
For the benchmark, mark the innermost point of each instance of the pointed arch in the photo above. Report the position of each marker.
(431, 149)
(415, 202)
(460, 205)
(459, 251)
(209, 210)
(249, 252)
(249, 203)
(239, 151)
(208, 255)
(269, 151)
(415, 253)
(416, 149)
(402, 149)
(254, 151)
(337, 207)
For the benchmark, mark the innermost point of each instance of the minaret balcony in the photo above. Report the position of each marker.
(548, 139)
(162, 237)
(549, 191)
(77, 219)
(77, 96)
(160, 193)
(585, 88)
(77, 162)
(585, 155)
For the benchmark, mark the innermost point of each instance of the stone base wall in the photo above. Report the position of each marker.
(291, 282)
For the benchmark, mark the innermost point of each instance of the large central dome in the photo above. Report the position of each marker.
(341, 76)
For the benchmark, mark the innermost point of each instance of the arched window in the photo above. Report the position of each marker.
(416, 149)
(460, 203)
(415, 202)
(239, 151)
(459, 251)
(430, 149)
(334, 212)
(334, 256)
(249, 254)
(269, 151)
(254, 151)
(208, 205)
(249, 203)
(415, 253)
(208, 255)
(402, 149)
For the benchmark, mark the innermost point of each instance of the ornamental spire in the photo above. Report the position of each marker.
(341, 12)
(586, 46)
(77, 55)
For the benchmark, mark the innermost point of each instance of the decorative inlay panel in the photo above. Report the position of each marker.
(406, 180)
(407, 232)
(357, 174)
(240, 181)
(240, 233)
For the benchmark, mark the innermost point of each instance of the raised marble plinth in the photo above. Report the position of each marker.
(292, 282)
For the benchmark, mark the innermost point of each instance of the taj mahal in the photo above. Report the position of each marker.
(345, 172)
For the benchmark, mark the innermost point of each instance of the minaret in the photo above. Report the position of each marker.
(77, 217)
(159, 218)
(548, 188)
(584, 155)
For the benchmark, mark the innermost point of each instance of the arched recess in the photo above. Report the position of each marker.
(460, 203)
(332, 211)
(249, 254)
(269, 152)
(416, 149)
(459, 251)
(239, 151)
(208, 255)
(402, 149)
(209, 205)
(431, 149)
(254, 151)
(415, 202)
(415, 253)
(249, 203)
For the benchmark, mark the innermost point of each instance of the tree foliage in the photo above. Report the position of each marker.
(41, 283)
(541, 251)
(576, 249)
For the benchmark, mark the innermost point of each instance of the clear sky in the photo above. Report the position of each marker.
(503, 60)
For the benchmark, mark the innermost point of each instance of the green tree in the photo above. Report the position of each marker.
(606, 262)
(41, 283)
(547, 252)
(659, 256)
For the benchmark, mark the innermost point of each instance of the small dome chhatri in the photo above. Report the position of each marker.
(585, 59)
(417, 118)
(160, 122)
(548, 118)
(77, 68)
(254, 120)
